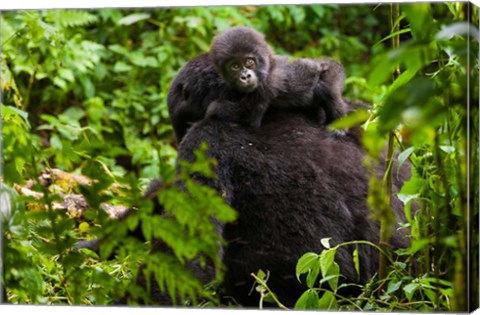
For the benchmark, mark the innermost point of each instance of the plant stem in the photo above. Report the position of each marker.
(264, 284)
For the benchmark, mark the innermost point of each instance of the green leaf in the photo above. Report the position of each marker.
(89, 253)
(334, 271)
(447, 149)
(403, 156)
(328, 301)
(421, 20)
(327, 258)
(414, 95)
(393, 286)
(411, 189)
(355, 118)
(121, 66)
(261, 274)
(312, 300)
(133, 18)
(356, 262)
(410, 289)
(70, 18)
(313, 274)
(308, 300)
(147, 229)
(319, 10)
(306, 263)
(201, 43)
(463, 29)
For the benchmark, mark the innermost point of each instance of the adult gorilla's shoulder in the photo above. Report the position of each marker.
(196, 85)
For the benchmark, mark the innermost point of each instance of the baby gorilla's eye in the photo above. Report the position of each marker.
(249, 63)
(235, 67)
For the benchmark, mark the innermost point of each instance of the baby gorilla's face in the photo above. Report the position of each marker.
(241, 73)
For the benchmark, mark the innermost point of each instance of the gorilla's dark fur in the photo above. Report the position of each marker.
(290, 180)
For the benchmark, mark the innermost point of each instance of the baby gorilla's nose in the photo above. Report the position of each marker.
(245, 76)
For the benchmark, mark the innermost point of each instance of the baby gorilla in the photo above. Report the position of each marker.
(256, 77)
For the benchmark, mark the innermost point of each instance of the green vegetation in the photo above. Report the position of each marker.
(84, 92)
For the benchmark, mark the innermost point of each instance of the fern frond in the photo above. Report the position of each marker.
(70, 18)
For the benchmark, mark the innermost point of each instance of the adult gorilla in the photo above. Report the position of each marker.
(290, 180)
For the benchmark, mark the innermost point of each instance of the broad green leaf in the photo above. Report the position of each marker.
(410, 289)
(335, 271)
(421, 20)
(411, 189)
(403, 79)
(327, 258)
(89, 253)
(328, 301)
(312, 302)
(313, 274)
(393, 286)
(414, 95)
(308, 300)
(306, 263)
(21, 117)
(355, 118)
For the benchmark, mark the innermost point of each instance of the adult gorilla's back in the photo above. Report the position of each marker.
(292, 184)
(291, 181)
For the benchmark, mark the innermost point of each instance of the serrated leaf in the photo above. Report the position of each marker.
(70, 18)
